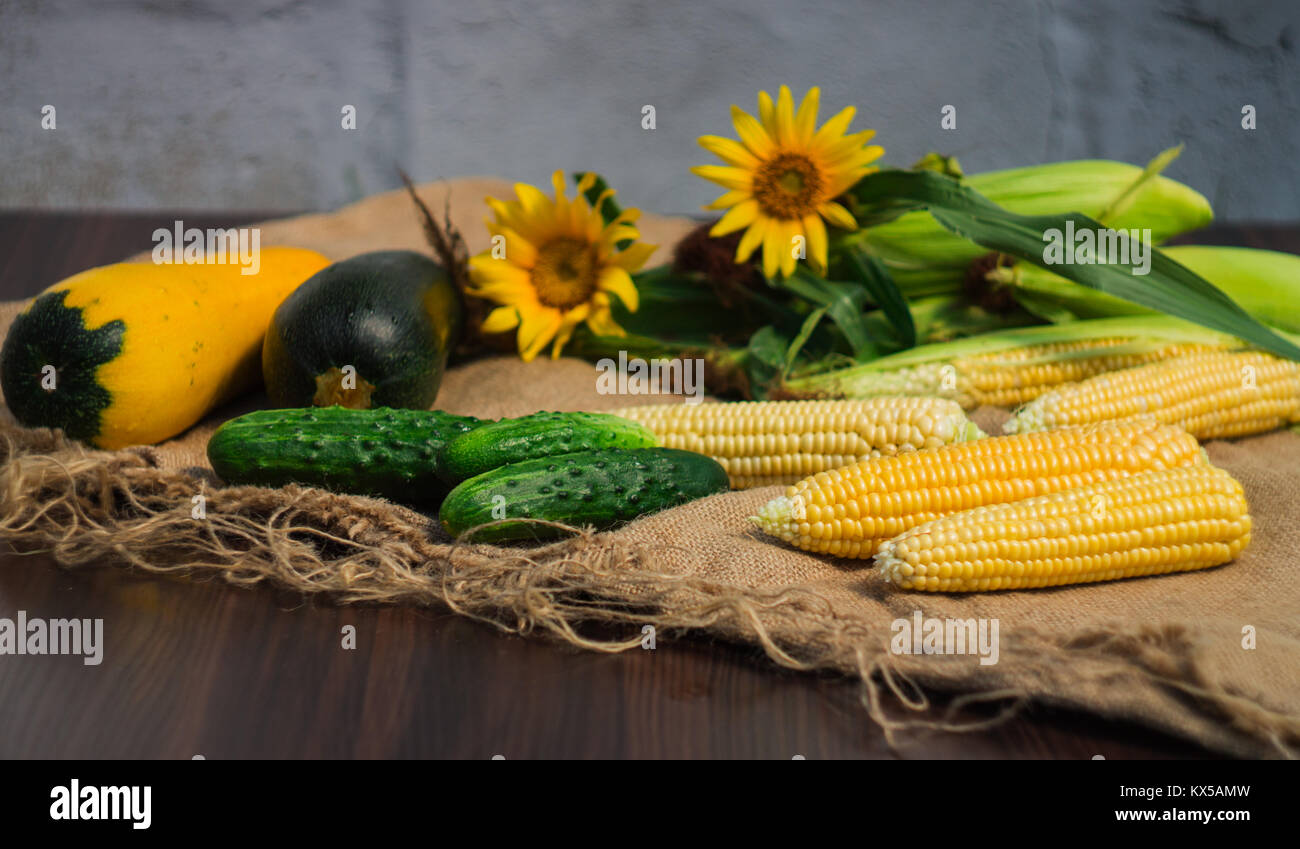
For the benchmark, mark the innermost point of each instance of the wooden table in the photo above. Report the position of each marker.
(206, 669)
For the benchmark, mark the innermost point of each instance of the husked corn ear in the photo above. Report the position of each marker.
(1211, 395)
(1010, 367)
(1010, 378)
(1168, 520)
(761, 443)
(848, 512)
(1013, 377)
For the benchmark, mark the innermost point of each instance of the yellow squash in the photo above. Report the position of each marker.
(135, 353)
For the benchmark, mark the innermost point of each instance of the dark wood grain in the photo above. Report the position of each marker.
(202, 668)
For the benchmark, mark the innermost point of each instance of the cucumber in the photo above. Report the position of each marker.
(389, 453)
(601, 488)
(539, 435)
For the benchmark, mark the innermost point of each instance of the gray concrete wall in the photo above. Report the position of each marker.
(235, 104)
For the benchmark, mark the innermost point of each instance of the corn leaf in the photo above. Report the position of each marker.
(873, 276)
(809, 325)
(844, 302)
(1169, 288)
(1154, 168)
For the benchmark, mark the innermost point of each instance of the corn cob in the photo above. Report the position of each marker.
(1264, 283)
(1168, 520)
(1211, 395)
(761, 443)
(1010, 367)
(848, 512)
(916, 241)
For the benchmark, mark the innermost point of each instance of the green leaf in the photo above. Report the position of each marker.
(1044, 307)
(768, 347)
(1120, 205)
(873, 276)
(1169, 287)
(844, 302)
(809, 325)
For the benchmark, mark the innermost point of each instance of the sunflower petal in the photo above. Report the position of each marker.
(634, 256)
(844, 145)
(741, 215)
(507, 213)
(502, 293)
(501, 319)
(840, 181)
(729, 150)
(815, 231)
(805, 120)
(752, 133)
(571, 320)
(532, 200)
(484, 269)
(518, 250)
(602, 323)
(723, 175)
(835, 127)
(730, 199)
(767, 113)
(615, 280)
(614, 235)
(536, 329)
(837, 215)
(785, 135)
(752, 239)
(791, 229)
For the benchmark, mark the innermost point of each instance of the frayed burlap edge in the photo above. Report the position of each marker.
(88, 507)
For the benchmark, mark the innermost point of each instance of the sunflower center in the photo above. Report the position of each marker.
(565, 273)
(788, 186)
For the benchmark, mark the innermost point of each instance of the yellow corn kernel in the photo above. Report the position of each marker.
(1211, 395)
(1011, 378)
(1168, 520)
(849, 512)
(1010, 367)
(761, 443)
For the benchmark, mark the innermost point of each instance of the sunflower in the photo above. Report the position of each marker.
(783, 176)
(559, 266)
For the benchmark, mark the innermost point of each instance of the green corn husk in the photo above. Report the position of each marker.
(943, 318)
(1010, 367)
(1265, 283)
(916, 243)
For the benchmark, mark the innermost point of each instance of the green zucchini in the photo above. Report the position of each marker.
(371, 331)
(539, 435)
(389, 453)
(598, 488)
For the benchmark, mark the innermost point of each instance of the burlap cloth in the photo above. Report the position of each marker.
(1167, 652)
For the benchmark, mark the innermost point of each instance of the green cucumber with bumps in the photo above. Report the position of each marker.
(603, 489)
(539, 435)
(389, 453)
